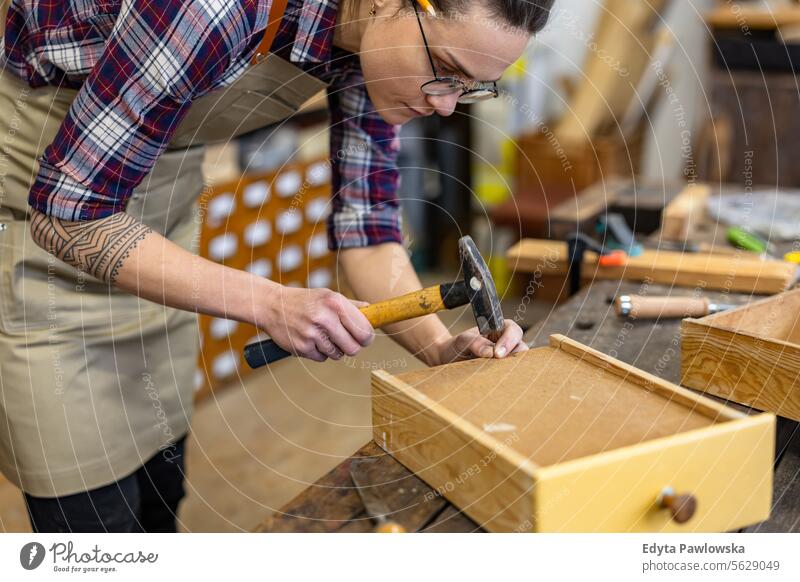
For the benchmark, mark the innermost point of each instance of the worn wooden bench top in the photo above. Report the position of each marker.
(331, 504)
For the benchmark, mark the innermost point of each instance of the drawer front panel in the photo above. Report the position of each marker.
(727, 468)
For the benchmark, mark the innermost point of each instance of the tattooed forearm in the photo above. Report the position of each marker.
(98, 247)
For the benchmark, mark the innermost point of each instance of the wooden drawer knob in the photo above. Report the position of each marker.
(682, 506)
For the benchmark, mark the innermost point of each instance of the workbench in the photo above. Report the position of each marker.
(333, 505)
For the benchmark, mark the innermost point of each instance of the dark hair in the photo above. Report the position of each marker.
(529, 15)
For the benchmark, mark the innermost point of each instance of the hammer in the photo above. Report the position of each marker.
(477, 288)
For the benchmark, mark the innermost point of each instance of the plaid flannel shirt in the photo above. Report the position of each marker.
(138, 64)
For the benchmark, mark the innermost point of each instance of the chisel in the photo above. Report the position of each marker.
(666, 307)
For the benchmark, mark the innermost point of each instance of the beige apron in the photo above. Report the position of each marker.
(94, 382)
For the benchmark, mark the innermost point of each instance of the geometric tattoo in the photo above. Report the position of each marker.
(97, 247)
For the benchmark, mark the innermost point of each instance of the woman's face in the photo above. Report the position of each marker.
(394, 62)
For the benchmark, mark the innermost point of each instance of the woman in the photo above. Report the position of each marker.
(104, 107)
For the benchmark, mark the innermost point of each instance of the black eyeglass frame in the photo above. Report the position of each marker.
(454, 82)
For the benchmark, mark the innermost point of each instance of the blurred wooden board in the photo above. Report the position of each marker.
(740, 15)
(685, 212)
(624, 41)
(742, 273)
(641, 201)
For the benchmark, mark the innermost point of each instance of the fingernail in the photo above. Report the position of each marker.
(486, 353)
(501, 351)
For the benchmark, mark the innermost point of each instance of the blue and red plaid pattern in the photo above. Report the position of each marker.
(138, 64)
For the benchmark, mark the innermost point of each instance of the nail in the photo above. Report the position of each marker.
(486, 353)
(501, 351)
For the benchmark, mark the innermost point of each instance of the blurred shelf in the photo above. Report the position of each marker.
(741, 16)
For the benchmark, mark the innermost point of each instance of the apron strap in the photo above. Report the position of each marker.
(276, 11)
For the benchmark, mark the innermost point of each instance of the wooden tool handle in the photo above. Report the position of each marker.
(390, 527)
(415, 304)
(681, 506)
(643, 307)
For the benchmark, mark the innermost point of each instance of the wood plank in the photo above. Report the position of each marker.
(740, 273)
(641, 198)
(682, 215)
(610, 76)
(587, 205)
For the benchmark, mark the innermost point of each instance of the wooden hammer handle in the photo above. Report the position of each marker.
(414, 304)
(408, 306)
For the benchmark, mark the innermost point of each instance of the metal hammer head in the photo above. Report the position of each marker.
(481, 290)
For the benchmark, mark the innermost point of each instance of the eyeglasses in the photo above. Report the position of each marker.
(439, 86)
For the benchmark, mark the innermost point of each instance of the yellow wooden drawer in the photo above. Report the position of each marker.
(564, 438)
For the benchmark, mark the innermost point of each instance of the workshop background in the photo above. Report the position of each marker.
(615, 108)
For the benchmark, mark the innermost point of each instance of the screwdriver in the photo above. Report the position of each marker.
(748, 241)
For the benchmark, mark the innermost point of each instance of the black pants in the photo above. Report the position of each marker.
(145, 501)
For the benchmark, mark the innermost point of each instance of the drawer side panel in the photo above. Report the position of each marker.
(753, 371)
(478, 475)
